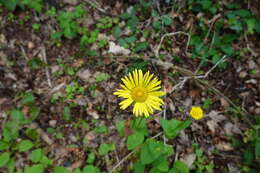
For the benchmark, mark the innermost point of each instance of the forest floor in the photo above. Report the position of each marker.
(60, 63)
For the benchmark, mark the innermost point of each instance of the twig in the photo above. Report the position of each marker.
(129, 154)
(212, 22)
(95, 5)
(46, 68)
(156, 52)
(210, 70)
(248, 46)
(24, 53)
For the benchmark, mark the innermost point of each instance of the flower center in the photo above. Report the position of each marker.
(139, 94)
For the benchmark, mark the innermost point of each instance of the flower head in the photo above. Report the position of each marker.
(141, 90)
(196, 112)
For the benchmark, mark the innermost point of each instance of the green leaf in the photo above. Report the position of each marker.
(130, 40)
(120, 126)
(101, 129)
(11, 165)
(173, 127)
(105, 148)
(46, 161)
(146, 156)
(36, 155)
(117, 32)
(102, 77)
(138, 167)
(36, 63)
(60, 169)
(134, 140)
(227, 49)
(66, 113)
(163, 166)
(11, 130)
(242, 13)
(157, 24)
(125, 16)
(25, 145)
(139, 124)
(77, 170)
(166, 20)
(32, 133)
(36, 4)
(56, 35)
(179, 167)
(156, 148)
(10, 4)
(132, 23)
(28, 98)
(34, 112)
(17, 115)
(90, 169)
(251, 25)
(91, 157)
(4, 145)
(248, 156)
(39, 168)
(257, 148)
(4, 158)
(141, 46)
(257, 26)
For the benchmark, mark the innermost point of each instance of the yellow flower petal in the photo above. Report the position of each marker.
(125, 103)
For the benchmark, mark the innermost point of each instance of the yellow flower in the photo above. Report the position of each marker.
(141, 90)
(196, 112)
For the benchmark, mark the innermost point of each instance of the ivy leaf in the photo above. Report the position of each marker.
(134, 140)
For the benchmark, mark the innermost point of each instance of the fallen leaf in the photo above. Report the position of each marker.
(215, 119)
(231, 129)
(224, 146)
(189, 159)
(115, 49)
(224, 103)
